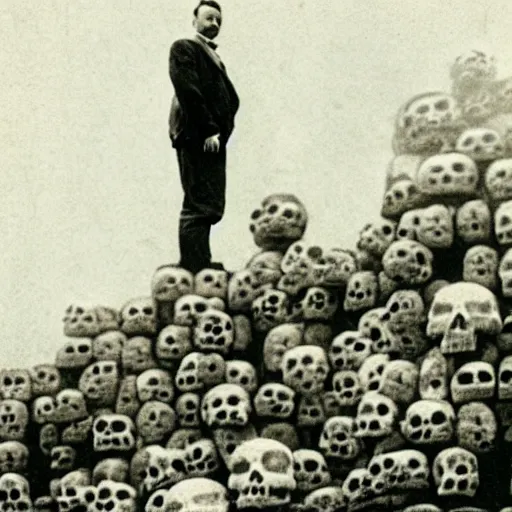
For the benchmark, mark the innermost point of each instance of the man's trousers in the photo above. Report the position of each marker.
(203, 179)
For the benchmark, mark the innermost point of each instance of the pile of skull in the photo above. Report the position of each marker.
(315, 379)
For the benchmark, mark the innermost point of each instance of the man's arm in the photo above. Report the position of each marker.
(187, 85)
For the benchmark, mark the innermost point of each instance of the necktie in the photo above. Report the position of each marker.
(212, 45)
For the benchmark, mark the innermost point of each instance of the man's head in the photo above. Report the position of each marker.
(207, 18)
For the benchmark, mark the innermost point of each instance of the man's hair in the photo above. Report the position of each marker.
(210, 3)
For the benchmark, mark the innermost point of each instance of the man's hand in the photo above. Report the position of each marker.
(212, 144)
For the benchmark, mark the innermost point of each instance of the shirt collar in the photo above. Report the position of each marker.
(207, 41)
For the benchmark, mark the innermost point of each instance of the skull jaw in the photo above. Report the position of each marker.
(459, 340)
(262, 496)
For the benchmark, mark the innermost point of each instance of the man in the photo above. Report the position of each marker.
(200, 124)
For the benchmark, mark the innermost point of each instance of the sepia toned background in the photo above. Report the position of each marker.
(89, 183)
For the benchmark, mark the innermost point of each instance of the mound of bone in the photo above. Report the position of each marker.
(315, 379)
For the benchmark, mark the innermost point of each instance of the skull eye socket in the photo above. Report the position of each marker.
(83, 349)
(461, 469)
(288, 213)
(255, 214)
(415, 421)
(233, 400)
(272, 209)
(441, 309)
(217, 402)
(422, 109)
(465, 378)
(374, 469)
(359, 347)
(311, 465)
(208, 278)
(438, 418)
(442, 105)
(506, 376)
(276, 461)
(240, 467)
(101, 426)
(118, 426)
(19, 380)
(353, 485)
(484, 376)
(7, 381)
(158, 501)
(414, 464)
(489, 137)
(200, 308)
(147, 311)
(382, 409)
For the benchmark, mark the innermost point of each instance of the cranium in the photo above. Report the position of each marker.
(498, 180)
(481, 144)
(138, 317)
(211, 283)
(226, 405)
(362, 291)
(473, 381)
(473, 222)
(481, 266)
(169, 283)
(456, 472)
(408, 262)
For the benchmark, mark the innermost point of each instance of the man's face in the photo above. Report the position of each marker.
(208, 21)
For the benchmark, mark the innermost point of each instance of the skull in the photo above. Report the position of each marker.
(138, 317)
(188, 408)
(505, 379)
(43, 409)
(108, 346)
(226, 405)
(14, 492)
(243, 374)
(503, 93)
(285, 433)
(481, 266)
(81, 321)
(340, 265)
(174, 342)
(505, 273)
(399, 381)
(478, 106)
(169, 283)
(408, 262)
(201, 458)
(476, 428)
(456, 472)
(435, 229)
(262, 474)
(155, 384)
(362, 291)
(211, 283)
(212, 369)
(472, 69)
(357, 487)
(214, 332)
(349, 350)
(481, 144)
(114, 469)
(473, 381)
(278, 340)
(409, 225)
(62, 458)
(75, 353)
(183, 437)
(48, 438)
(188, 308)
(400, 197)
(377, 237)
(116, 496)
(15, 385)
(228, 438)
(127, 400)
(310, 470)
(375, 326)
(99, 383)
(433, 379)
(376, 415)
(319, 304)
(13, 457)
(278, 222)
(197, 495)
(137, 355)
(70, 406)
(187, 376)
(74, 491)
(113, 432)
(243, 288)
(266, 267)
(448, 174)
(45, 380)
(269, 310)
(310, 411)
(275, 400)
(503, 223)
(155, 421)
(498, 179)
(473, 222)
(386, 286)
(347, 387)
(325, 499)
(459, 312)
(305, 369)
(428, 421)
(405, 308)
(371, 371)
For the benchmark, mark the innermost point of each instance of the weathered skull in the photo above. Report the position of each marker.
(377, 237)
(376, 415)
(349, 350)
(214, 332)
(459, 312)
(43, 409)
(473, 381)
(357, 487)
(243, 374)
(319, 303)
(448, 174)
(310, 470)
(212, 369)
(325, 499)
(155, 421)
(48, 438)
(481, 144)
(99, 383)
(62, 458)
(201, 458)
(405, 308)
(197, 495)
(498, 179)
(472, 69)
(226, 405)
(310, 411)
(243, 288)
(476, 427)
(340, 265)
(45, 380)
(347, 386)
(13, 457)
(108, 346)
(155, 384)
(188, 308)
(262, 474)
(285, 433)
(370, 372)
(409, 225)
(278, 222)
(433, 380)
(473, 222)
(278, 340)
(138, 317)
(127, 400)
(114, 469)
(174, 342)
(15, 492)
(505, 273)
(137, 355)
(113, 432)
(481, 266)
(401, 197)
(456, 472)
(117, 496)
(15, 384)
(435, 229)
(374, 325)
(182, 437)
(266, 267)
(188, 408)
(503, 223)
(428, 421)
(70, 406)
(75, 353)
(187, 377)
(82, 321)
(228, 438)
(478, 106)
(399, 381)
(275, 400)
(74, 491)
(269, 310)
(169, 283)
(305, 369)
(362, 291)
(408, 262)
(505, 379)
(211, 283)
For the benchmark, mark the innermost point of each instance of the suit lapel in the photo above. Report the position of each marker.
(211, 54)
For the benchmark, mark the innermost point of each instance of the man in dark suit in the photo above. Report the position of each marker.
(200, 124)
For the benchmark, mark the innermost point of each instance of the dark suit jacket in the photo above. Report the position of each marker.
(205, 101)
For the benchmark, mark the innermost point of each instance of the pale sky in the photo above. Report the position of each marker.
(90, 184)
